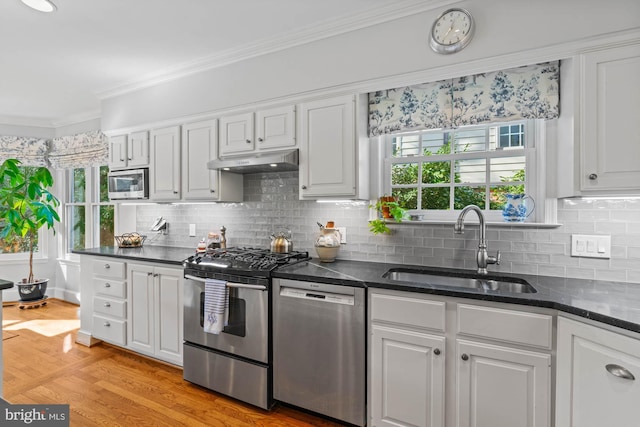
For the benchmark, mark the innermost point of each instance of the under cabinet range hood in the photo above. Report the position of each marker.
(280, 161)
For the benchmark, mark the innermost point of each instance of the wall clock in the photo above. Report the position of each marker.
(451, 31)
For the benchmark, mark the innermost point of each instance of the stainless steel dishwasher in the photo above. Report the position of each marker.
(319, 348)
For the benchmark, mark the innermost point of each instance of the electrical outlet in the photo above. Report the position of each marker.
(591, 246)
(192, 230)
(343, 234)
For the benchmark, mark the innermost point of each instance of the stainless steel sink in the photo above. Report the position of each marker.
(511, 285)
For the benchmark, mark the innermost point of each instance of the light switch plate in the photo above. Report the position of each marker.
(192, 230)
(343, 234)
(591, 245)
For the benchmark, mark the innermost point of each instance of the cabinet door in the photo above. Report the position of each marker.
(199, 145)
(502, 387)
(138, 149)
(236, 134)
(140, 309)
(164, 180)
(118, 152)
(168, 318)
(328, 148)
(407, 378)
(275, 128)
(588, 394)
(611, 107)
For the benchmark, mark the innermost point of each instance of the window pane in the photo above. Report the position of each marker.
(472, 170)
(404, 173)
(76, 224)
(76, 193)
(464, 196)
(17, 245)
(507, 169)
(436, 198)
(404, 146)
(105, 218)
(471, 140)
(436, 172)
(103, 182)
(407, 197)
(434, 143)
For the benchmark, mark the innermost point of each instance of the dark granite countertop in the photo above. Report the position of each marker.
(613, 303)
(5, 284)
(163, 254)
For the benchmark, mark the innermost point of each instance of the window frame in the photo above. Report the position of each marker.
(536, 134)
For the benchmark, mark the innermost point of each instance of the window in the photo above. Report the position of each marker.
(440, 171)
(89, 215)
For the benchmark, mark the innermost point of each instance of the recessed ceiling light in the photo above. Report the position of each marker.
(40, 5)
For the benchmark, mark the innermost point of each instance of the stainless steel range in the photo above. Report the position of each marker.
(238, 361)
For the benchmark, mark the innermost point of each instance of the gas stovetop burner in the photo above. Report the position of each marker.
(245, 260)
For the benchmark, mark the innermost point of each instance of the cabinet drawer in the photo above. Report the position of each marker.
(110, 288)
(506, 325)
(110, 330)
(110, 307)
(108, 268)
(408, 311)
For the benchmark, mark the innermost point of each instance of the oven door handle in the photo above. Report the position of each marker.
(229, 284)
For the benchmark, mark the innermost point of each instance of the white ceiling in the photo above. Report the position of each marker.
(54, 68)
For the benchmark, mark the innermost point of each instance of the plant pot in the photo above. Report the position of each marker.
(384, 209)
(32, 291)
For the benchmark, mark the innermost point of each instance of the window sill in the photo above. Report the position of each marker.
(472, 222)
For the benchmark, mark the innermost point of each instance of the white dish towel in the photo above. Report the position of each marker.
(216, 305)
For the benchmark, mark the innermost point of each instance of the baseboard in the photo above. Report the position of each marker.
(85, 339)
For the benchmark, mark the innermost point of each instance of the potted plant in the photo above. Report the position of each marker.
(387, 207)
(26, 206)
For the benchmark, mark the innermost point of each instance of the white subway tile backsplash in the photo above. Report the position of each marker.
(271, 203)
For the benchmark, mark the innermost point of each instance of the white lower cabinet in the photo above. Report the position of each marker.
(438, 361)
(598, 377)
(155, 311)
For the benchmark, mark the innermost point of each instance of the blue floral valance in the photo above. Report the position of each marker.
(76, 151)
(530, 92)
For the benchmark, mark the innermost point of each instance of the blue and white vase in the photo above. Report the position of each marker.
(517, 209)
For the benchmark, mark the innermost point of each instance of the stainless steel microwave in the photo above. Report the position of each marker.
(129, 184)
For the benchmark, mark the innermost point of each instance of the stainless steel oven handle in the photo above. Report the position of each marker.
(229, 284)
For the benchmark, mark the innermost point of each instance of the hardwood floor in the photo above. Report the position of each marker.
(107, 386)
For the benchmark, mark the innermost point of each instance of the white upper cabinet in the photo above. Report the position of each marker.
(164, 172)
(331, 150)
(129, 151)
(600, 106)
(267, 129)
(199, 145)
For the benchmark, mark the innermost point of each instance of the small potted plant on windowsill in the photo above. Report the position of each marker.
(26, 205)
(388, 208)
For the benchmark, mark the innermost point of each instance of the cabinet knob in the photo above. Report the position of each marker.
(619, 371)
(106, 304)
(149, 274)
(248, 141)
(156, 275)
(593, 176)
(107, 324)
(107, 285)
(107, 266)
(129, 158)
(260, 139)
(304, 187)
(436, 352)
(213, 191)
(122, 160)
(175, 192)
(465, 356)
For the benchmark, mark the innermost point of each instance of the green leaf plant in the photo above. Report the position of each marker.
(26, 205)
(387, 207)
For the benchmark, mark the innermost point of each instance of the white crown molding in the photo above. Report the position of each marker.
(76, 118)
(25, 122)
(307, 35)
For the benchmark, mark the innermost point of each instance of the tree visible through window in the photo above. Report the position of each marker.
(448, 170)
(18, 244)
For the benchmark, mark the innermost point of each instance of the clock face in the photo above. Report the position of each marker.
(452, 31)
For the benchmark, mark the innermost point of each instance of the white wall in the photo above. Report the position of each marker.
(517, 31)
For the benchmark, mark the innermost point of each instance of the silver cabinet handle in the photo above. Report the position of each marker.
(593, 176)
(107, 285)
(107, 324)
(465, 356)
(156, 275)
(107, 266)
(149, 274)
(436, 352)
(106, 304)
(619, 371)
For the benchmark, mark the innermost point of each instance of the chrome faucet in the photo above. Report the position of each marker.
(482, 257)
